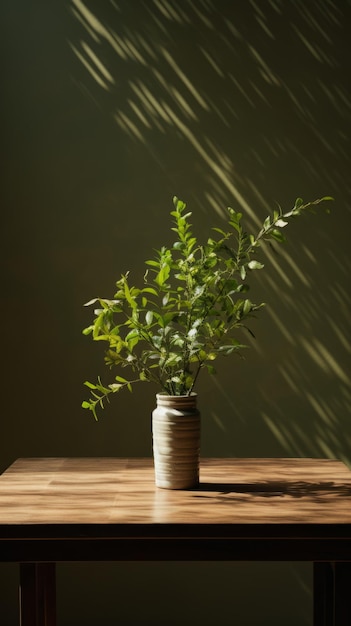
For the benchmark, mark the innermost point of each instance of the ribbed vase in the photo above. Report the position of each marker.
(176, 441)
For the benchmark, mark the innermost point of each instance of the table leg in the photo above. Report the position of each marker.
(37, 594)
(342, 594)
(332, 594)
(323, 594)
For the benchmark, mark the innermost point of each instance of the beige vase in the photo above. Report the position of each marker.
(176, 441)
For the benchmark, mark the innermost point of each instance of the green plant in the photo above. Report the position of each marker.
(189, 309)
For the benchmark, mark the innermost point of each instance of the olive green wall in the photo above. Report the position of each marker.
(110, 108)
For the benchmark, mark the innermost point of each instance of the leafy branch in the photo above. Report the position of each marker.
(189, 309)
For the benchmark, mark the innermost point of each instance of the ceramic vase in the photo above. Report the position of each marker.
(176, 441)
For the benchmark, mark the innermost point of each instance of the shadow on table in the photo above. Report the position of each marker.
(298, 489)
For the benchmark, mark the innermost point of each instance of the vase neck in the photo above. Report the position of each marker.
(176, 401)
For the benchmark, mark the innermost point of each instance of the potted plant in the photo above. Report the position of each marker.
(184, 316)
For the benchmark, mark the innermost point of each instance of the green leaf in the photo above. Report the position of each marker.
(247, 307)
(192, 332)
(90, 385)
(180, 206)
(221, 232)
(149, 317)
(91, 302)
(173, 359)
(227, 349)
(178, 341)
(128, 296)
(97, 325)
(243, 272)
(235, 216)
(150, 290)
(267, 223)
(132, 334)
(162, 276)
(88, 330)
(115, 387)
(163, 320)
(178, 245)
(255, 265)
(277, 235)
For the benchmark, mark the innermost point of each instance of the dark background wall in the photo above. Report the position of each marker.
(109, 108)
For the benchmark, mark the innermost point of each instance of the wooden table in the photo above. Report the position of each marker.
(106, 509)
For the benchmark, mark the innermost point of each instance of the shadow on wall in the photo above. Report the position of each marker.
(240, 88)
(253, 100)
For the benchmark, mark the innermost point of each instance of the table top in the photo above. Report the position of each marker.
(109, 509)
(122, 491)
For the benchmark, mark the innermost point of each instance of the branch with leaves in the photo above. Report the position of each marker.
(189, 309)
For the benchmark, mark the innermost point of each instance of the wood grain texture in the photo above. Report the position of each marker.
(122, 491)
(107, 509)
